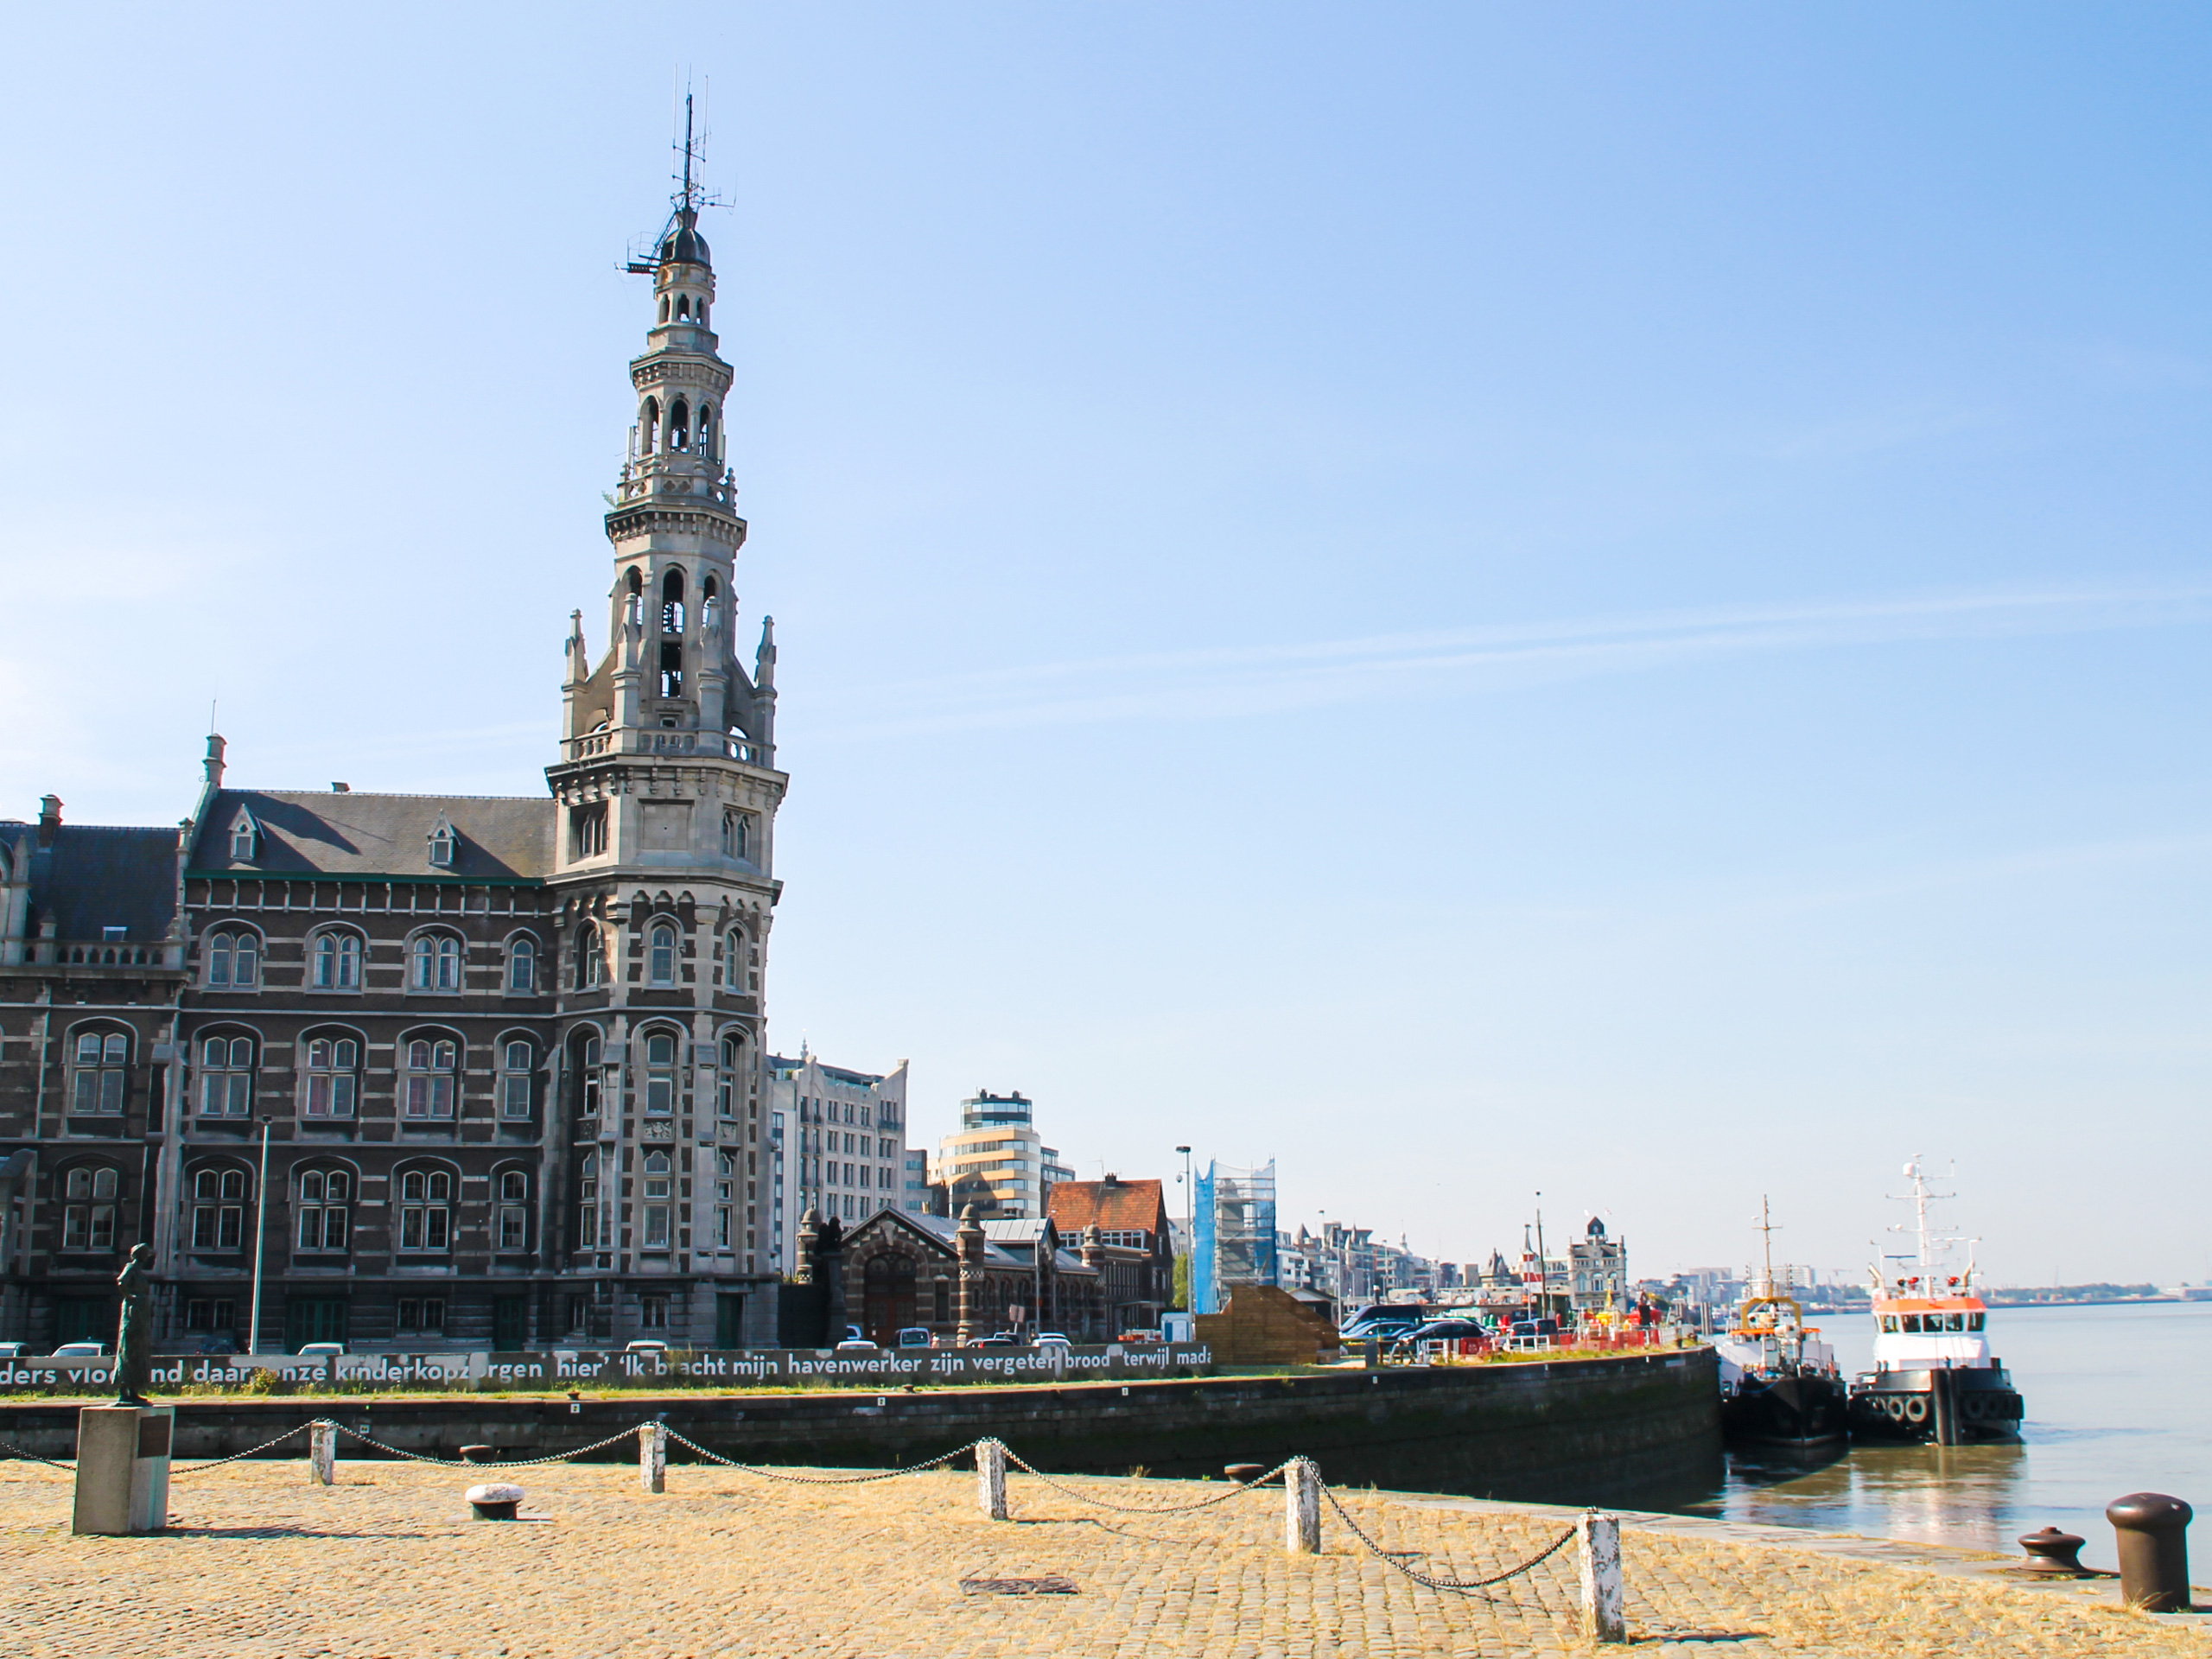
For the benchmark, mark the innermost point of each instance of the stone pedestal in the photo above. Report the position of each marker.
(122, 1468)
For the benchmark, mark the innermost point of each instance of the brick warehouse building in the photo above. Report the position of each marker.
(504, 1054)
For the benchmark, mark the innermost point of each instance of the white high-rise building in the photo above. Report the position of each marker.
(836, 1141)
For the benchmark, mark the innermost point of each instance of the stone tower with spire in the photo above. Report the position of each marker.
(663, 871)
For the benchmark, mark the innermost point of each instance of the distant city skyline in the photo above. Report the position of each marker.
(1469, 601)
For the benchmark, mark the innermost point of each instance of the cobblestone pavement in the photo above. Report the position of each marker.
(261, 1563)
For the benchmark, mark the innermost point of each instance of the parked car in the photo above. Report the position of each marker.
(1445, 1331)
(80, 1351)
(1140, 1336)
(645, 1346)
(12, 1349)
(996, 1339)
(1053, 1339)
(856, 1345)
(321, 1350)
(917, 1336)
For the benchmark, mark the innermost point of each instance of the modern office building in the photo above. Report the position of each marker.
(997, 1162)
(837, 1142)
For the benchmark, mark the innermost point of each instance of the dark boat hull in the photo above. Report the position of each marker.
(1901, 1406)
(1808, 1409)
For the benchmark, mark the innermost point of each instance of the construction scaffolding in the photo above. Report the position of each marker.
(1235, 1233)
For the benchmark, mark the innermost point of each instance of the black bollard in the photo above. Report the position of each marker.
(2153, 1532)
(2053, 1551)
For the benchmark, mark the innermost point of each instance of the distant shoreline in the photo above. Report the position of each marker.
(2085, 1301)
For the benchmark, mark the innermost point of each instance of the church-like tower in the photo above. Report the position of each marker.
(663, 873)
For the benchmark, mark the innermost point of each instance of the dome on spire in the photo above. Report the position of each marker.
(683, 245)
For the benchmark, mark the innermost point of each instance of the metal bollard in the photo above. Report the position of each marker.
(652, 1456)
(990, 1479)
(2153, 1532)
(323, 1453)
(1302, 1507)
(1599, 1536)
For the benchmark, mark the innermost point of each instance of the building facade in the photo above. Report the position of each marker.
(500, 1059)
(836, 1143)
(997, 1162)
(1138, 1249)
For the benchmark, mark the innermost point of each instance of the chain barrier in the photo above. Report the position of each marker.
(10, 1447)
(820, 1480)
(1461, 1587)
(217, 1463)
(463, 1463)
(1148, 1509)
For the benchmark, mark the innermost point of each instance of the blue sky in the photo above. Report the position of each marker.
(1473, 598)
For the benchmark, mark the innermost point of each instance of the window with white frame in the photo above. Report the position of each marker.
(102, 1059)
(660, 1073)
(217, 1208)
(88, 1211)
(233, 957)
(516, 1059)
(587, 1079)
(738, 962)
(656, 1205)
(522, 966)
(725, 1198)
(428, 1081)
(425, 1210)
(437, 963)
(591, 957)
(660, 955)
(587, 1202)
(514, 1210)
(325, 1197)
(226, 1076)
(334, 1076)
(337, 960)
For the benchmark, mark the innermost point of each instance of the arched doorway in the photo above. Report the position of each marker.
(887, 1288)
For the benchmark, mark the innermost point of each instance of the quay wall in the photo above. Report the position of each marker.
(1627, 1429)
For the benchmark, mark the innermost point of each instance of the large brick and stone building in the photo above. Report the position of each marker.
(504, 1055)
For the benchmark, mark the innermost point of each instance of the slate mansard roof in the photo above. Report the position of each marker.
(94, 877)
(308, 832)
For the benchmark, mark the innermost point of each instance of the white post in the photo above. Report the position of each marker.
(323, 1453)
(652, 1456)
(990, 1479)
(1599, 1537)
(1302, 1507)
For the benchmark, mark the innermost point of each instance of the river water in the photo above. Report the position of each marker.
(2117, 1400)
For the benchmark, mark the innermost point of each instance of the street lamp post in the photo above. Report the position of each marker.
(1189, 1235)
(260, 1239)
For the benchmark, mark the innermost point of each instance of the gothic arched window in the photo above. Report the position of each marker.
(656, 1233)
(661, 958)
(514, 1210)
(337, 960)
(88, 1216)
(429, 1077)
(706, 425)
(517, 1060)
(325, 1195)
(679, 425)
(233, 960)
(587, 1202)
(227, 1076)
(672, 598)
(102, 1058)
(425, 1220)
(660, 1073)
(591, 957)
(437, 963)
(522, 966)
(334, 1076)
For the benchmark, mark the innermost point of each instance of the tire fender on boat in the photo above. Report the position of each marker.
(1915, 1408)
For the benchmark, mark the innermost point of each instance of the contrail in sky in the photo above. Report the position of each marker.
(1263, 679)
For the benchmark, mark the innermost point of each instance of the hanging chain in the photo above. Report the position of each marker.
(1463, 1587)
(32, 1456)
(1149, 1509)
(820, 1480)
(505, 1463)
(217, 1463)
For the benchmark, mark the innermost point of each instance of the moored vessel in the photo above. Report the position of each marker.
(1934, 1376)
(1779, 1384)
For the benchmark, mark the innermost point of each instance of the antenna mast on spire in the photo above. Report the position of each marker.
(690, 196)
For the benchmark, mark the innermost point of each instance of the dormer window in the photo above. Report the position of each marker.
(245, 836)
(443, 842)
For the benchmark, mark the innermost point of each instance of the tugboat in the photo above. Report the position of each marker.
(1933, 1376)
(1779, 1384)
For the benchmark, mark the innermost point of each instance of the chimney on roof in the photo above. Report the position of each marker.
(342, 789)
(49, 818)
(1112, 1180)
(213, 764)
